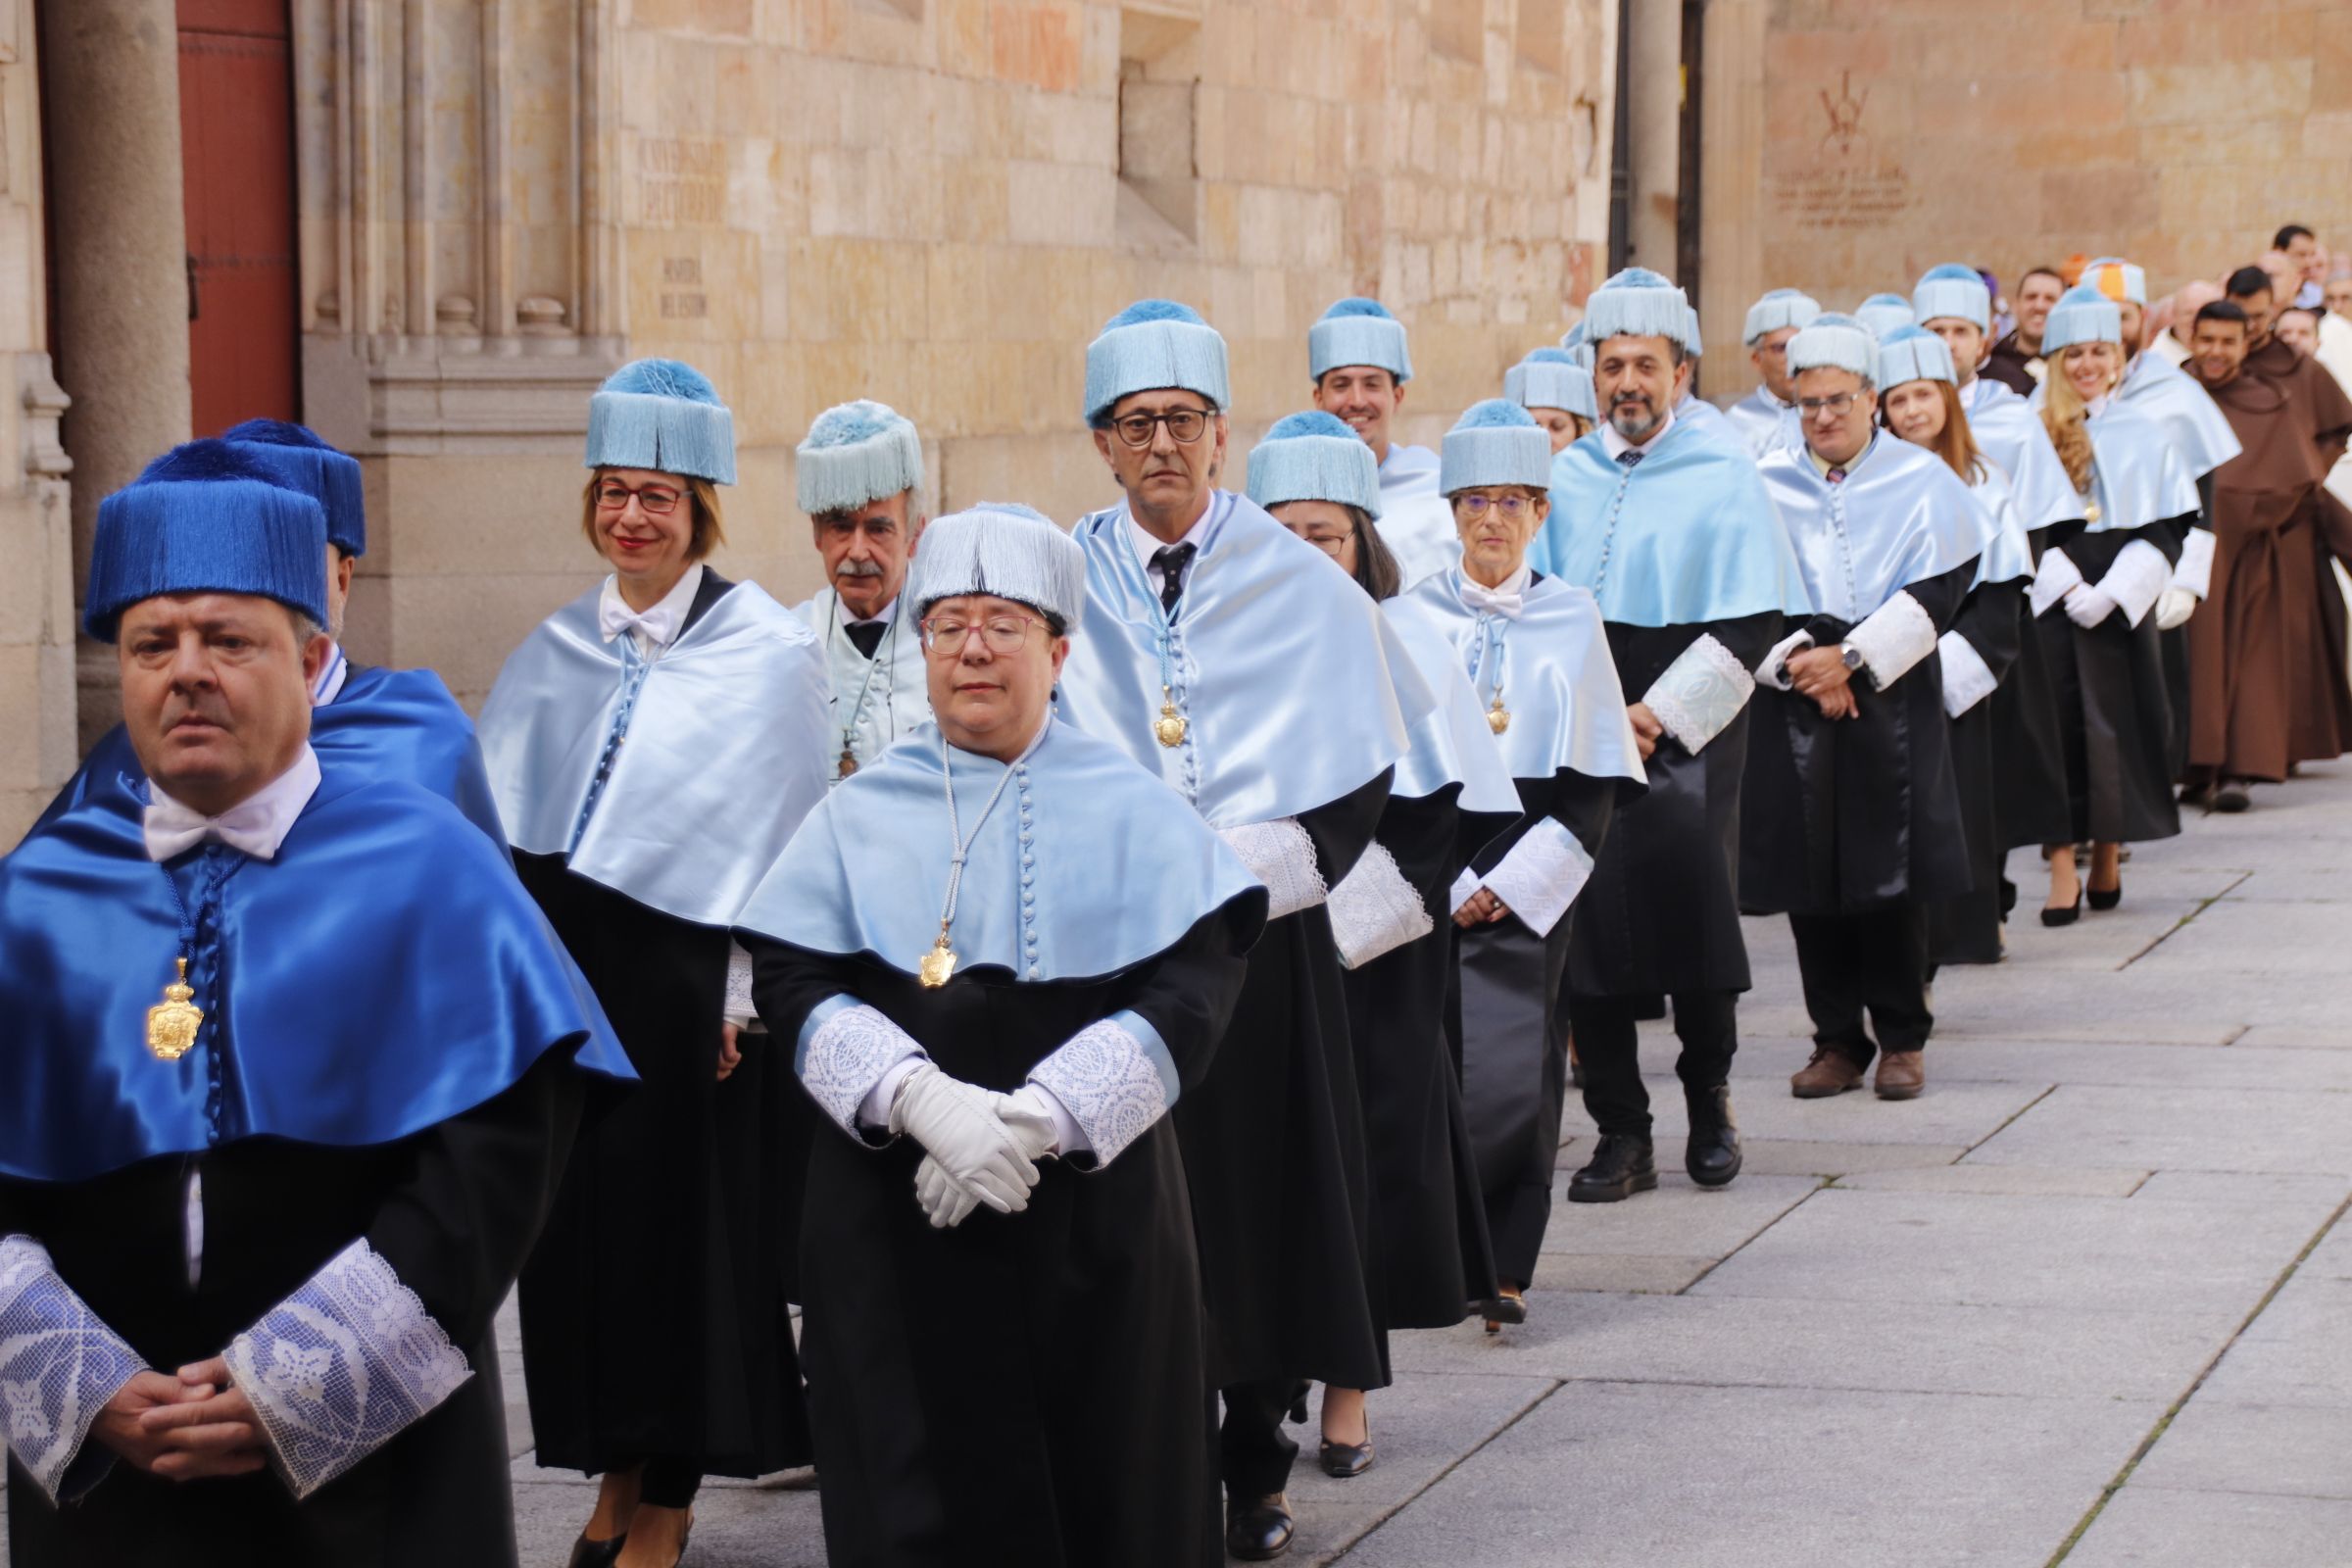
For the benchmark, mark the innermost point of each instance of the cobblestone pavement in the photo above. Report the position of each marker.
(2089, 1299)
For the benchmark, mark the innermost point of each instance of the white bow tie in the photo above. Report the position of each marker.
(171, 828)
(1504, 601)
(615, 619)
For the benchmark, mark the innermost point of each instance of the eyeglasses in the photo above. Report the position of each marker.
(658, 500)
(1139, 429)
(1331, 544)
(999, 634)
(1830, 405)
(1511, 508)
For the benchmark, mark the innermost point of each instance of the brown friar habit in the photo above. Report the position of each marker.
(2318, 687)
(2247, 639)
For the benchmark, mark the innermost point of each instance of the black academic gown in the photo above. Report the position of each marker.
(2028, 738)
(1510, 1031)
(1282, 1249)
(1661, 912)
(1967, 928)
(1844, 816)
(2113, 702)
(1431, 1257)
(274, 1213)
(670, 1250)
(1022, 1388)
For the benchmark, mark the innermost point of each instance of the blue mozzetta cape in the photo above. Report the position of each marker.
(2010, 555)
(1559, 682)
(1452, 743)
(384, 724)
(2163, 392)
(1295, 690)
(1093, 860)
(2137, 471)
(1901, 517)
(1686, 536)
(716, 749)
(2008, 430)
(385, 972)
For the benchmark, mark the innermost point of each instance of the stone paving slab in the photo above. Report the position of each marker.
(2284, 1450)
(2149, 1527)
(1606, 1474)
(2297, 1353)
(2005, 1181)
(1962, 1113)
(1795, 1158)
(2086, 1254)
(2255, 938)
(2215, 1129)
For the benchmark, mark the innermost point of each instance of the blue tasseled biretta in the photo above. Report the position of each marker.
(206, 518)
(301, 459)
(663, 416)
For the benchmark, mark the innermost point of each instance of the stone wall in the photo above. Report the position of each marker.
(1852, 144)
(932, 202)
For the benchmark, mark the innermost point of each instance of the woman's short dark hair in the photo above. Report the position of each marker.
(1376, 568)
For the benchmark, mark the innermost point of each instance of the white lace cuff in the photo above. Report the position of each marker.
(1463, 886)
(847, 1047)
(1773, 672)
(1114, 1077)
(1282, 855)
(2053, 580)
(1892, 638)
(1699, 693)
(739, 1010)
(2135, 581)
(1967, 679)
(342, 1367)
(1375, 911)
(2194, 573)
(59, 1364)
(1541, 875)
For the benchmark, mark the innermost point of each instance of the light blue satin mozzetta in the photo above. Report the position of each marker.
(724, 746)
(1553, 667)
(1088, 865)
(1294, 690)
(2008, 430)
(2009, 555)
(1409, 471)
(1763, 422)
(384, 724)
(1900, 517)
(383, 973)
(1688, 535)
(2171, 396)
(1452, 743)
(2137, 471)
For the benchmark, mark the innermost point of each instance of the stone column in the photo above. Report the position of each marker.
(1654, 125)
(120, 249)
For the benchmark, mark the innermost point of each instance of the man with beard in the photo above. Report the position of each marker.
(1766, 416)
(1357, 358)
(859, 474)
(2016, 360)
(1671, 530)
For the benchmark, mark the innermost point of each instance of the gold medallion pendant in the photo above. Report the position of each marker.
(171, 1023)
(849, 762)
(1169, 727)
(1499, 718)
(939, 965)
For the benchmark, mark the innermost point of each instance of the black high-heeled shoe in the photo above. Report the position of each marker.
(2065, 917)
(2103, 901)
(586, 1553)
(1344, 1461)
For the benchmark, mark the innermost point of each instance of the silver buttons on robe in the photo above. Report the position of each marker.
(1020, 784)
(631, 684)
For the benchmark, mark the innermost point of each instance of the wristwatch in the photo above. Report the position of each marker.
(1851, 655)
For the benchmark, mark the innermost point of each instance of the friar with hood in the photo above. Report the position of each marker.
(1670, 529)
(1000, 956)
(293, 1063)
(1203, 616)
(1852, 814)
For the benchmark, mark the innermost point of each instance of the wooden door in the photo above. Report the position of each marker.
(236, 125)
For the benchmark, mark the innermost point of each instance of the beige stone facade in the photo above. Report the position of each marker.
(1849, 146)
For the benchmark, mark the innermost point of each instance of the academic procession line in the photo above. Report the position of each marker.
(1109, 980)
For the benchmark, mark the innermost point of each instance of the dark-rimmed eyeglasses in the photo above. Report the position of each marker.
(658, 500)
(1837, 403)
(1185, 426)
(1509, 508)
(999, 634)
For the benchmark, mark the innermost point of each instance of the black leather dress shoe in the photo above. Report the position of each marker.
(1258, 1529)
(586, 1553)
(1344, 1461)
(1712, 1156)
(1622, 1165)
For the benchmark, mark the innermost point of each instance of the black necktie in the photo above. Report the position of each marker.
(1631, 456)
(1171, 559)
(867, 635)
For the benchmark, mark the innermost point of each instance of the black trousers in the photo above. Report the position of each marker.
(1873, 961)
(1607, 1043)
(1254, 1452)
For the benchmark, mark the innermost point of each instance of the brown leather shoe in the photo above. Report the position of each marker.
(1902, 1074)
(1830, 1073)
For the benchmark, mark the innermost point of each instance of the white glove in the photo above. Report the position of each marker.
(2175, 607)
(958, 1124)
(2086, 606)
(1025, 1117)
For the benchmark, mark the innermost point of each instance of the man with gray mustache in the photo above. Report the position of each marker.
(860, 480)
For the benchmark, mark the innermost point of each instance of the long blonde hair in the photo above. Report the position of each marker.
(2066, 416)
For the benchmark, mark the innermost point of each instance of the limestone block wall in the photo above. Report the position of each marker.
(1850, 146)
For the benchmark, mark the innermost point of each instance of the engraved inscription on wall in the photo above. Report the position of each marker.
(682, 297)
(681, 180)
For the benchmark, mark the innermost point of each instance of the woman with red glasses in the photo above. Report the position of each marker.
(653, 745)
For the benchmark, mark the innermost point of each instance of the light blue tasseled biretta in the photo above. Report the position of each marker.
(1835, 342)
(2082, 314)
(1638, 303)
(1006, 550)
(1914, 354)
(1314, 457)
(1151, 346)
(1495, 442)
(663, 416)
(206, 518)
(1359, 332)
(1955, 291)
(1883, 313)
(855, 453)
(304, 461)
(1779, 307)
(1551, 378)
